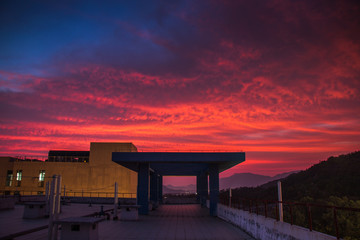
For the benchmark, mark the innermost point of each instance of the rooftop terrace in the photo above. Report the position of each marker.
(167, 222)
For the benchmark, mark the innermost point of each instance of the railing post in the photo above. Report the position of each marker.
(47, 197)
(230, 195)
(336, 224)
(57, 205)
(265, 203)
(116, 200)
(281, 212)
(309, 216)
(257, 209)
(52, 207)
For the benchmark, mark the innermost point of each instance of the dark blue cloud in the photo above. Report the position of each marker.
(231, 65)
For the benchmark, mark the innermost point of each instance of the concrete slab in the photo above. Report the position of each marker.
(11, 220)
(167, 222)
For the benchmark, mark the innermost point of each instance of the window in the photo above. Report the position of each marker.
(9, 178)
(18, 177)
(41, 178)
(41, 175)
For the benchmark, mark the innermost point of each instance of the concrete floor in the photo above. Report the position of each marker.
(167, 222)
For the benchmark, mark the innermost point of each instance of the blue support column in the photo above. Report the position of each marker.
(203, 188)
(198, 188)
(143, 188)
(160, 182)
(214, 188)
(154, 189)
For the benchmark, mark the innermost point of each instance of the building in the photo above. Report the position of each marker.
(84, 173)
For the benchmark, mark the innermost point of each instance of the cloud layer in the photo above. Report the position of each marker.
(279, 80)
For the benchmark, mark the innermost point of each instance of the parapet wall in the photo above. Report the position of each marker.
(7, 203)
(267, 228)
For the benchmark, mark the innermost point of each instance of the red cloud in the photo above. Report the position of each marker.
(279, 80)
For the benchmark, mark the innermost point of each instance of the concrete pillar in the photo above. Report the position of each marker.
(116, 200)
(160, 182)
(214, 188)
(203, 188)
(154, 189)
(143, 188)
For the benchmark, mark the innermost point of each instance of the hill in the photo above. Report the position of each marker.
(248, 180)
(170, 189)
(333, 182)
(337, 176)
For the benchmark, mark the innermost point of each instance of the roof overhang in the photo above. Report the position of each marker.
(179, 163)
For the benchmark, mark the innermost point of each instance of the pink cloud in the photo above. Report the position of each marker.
(277, 79)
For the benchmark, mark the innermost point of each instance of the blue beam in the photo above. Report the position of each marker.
(214, 188)
(179, 163)
(143, 188)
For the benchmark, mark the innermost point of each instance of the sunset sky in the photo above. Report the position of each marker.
(279, 80)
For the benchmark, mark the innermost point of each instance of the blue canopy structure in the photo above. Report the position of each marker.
(158, 164)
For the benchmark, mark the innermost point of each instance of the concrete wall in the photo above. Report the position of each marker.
(98, 175)
(267, 228)
(104, 172)
(7, 203)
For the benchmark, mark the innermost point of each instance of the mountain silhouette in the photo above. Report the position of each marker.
(337, 176)
(249, 180)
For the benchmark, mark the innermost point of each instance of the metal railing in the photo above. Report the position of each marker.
(28, 158)
(83, 194)
(270, 209)
(97, 194)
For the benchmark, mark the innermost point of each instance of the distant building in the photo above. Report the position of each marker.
(83, 172)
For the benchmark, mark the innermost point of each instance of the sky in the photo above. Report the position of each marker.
(279, 80)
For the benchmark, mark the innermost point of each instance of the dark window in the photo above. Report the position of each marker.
(75, 227)
(9, 178)
(68, 156)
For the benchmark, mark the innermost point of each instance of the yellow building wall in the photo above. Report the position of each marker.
(5, 165)
(102, 167)
(97, 176)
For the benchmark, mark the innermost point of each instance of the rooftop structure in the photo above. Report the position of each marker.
(139, 174)
(155, 165)
(83, 173)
